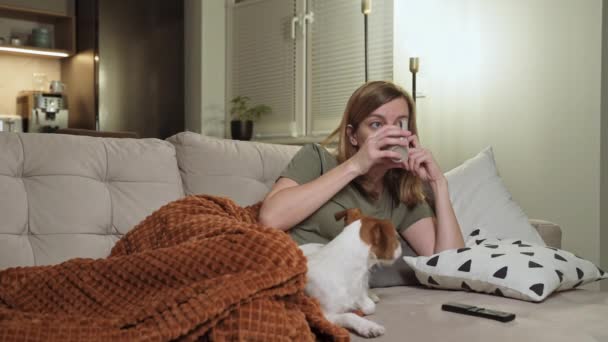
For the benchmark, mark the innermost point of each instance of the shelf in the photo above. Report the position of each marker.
(33, 51)
(63, 28)
(30, 14)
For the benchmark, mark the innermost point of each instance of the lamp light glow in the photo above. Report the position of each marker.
(33, 52)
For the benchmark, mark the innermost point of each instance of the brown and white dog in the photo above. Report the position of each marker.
(338, 272)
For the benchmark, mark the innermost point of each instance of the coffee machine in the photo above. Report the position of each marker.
(42, 112)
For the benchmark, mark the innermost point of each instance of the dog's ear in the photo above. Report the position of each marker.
(349, 215)
(340, 214)
(382, 237)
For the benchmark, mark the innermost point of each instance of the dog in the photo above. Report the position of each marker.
(338, 272)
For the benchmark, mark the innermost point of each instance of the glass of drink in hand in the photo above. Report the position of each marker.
(403, 150)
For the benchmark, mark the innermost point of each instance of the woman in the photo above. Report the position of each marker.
(366, 174)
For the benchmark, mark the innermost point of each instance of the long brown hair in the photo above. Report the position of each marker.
(401, 184)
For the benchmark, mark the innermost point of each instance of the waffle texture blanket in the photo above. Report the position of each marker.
(200, 268)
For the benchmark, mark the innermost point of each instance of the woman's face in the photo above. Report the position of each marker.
(395, 112)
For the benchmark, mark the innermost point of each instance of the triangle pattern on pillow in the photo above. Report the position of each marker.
(560, 275)
(466, 267)
(501, 273)
(532, 264)
(460, 250)
(538, 289)
(433, 261)
(474, 233)
(465, 286)
(498, 292)
(559, 257)
(579, 273)
(496, 255)
(432, 281)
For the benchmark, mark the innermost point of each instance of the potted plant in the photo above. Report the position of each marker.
(243, 116)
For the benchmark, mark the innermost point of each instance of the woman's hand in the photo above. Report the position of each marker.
(374, 149)
(421, 163)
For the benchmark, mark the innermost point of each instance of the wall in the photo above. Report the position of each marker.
(17, 71)
(520, 76)
(17, 75)
(604, 148)
(205, 65)
(193, 14)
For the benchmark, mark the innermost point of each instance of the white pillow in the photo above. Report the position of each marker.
(509, 268)
(481, 200)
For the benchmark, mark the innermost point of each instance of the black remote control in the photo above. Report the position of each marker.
(479, 312)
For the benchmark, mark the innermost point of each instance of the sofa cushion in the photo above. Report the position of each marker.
(481, 200)
(505, 267)
(241, 170)
(73, 196)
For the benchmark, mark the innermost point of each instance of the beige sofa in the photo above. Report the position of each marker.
(71, 196)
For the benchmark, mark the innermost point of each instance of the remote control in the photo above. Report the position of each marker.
(479, 312)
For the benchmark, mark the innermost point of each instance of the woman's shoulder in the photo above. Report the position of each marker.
(305, 165)
(318, 148)
(318, 151)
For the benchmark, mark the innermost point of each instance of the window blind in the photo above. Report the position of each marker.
(307, 80)
(337, 64)
(264, 61)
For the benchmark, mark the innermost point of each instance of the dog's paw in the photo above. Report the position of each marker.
(367, 328)
(374, 297)
(367, 306)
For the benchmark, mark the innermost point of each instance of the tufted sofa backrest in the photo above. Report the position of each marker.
(241, 170)
(67, 196)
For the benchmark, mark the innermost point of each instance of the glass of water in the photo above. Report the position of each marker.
(403, 150)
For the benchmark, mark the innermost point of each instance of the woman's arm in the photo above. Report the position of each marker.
(433, 235)
(448, 234)
(429, 236)
(289, 203)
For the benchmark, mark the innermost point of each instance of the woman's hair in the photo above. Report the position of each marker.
(401, 184)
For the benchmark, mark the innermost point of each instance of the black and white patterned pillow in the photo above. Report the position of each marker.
(507, 267)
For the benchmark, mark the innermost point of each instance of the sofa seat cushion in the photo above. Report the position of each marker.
(414, 314)
(72, 196)
(243, 171)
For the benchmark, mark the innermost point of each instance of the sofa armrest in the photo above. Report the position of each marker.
(549, 231)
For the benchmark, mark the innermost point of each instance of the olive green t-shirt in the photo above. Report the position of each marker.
(312, 161)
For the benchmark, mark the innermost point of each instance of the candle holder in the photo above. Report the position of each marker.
(414, 66)
(366, 9)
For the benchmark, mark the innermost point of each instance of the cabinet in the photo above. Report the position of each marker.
(128, 68)
(61, 25)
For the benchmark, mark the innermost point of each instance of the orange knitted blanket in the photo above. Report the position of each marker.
(199, 267)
